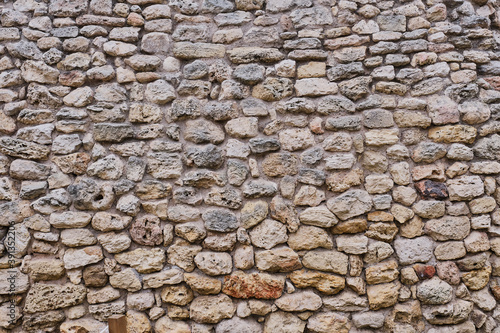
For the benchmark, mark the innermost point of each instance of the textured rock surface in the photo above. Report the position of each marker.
(250, 165)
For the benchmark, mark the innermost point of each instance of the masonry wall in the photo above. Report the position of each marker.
(277, 166)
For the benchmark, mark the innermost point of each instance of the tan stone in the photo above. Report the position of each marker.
(137, 322)
(46, 297)
(308, 238)
(179, 295)
(143, 260)
(383, 295)
(203, 284)
(382, 273)
(453, 133)
(477, 279)
(311, 69)
(211, 309)
(325, 283)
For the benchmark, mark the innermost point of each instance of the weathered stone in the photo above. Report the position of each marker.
(327, 261)
(350, 204)
(277, 260)
(299, 301)
(465, 188)
(211, 309)
(434, 291)
(255, 285)
(142, 260)
(268, 234)
(45, 297)
(214, 263)
(75, 258)
(383, 295)
(325, 283)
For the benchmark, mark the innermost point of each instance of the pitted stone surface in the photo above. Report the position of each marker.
(250, 165)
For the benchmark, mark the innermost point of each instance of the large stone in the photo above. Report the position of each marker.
(308, 238)
(214, 263)
(188, 50)
(46, 297)
(13, 282)
(126, 279)
(159, 92)
(465, 188)
(268, 234)
(165, 324)
(255, 285)
(75, 258)
(350, 204)
(23, 149)
(38, 71)
(453, 133)
(143, 260)
(280, 259)
(325, 283)
(299, 301)
(220, 220)
(327, 261)
(383, 295)
(146, 230)
(434, 291)
(211, 309)
(165, 277)
(283, 322)
(318, 216)
(328, 322)
(448, 228)
(410, 251)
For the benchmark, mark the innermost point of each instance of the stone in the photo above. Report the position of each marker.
(277, 260)
(159, 92)
(46, 297)
(245, 127)
(315, 87)
(299, 301)
(350, 204)
(325, 283)
(383, 295)
(434, 291)
(448, 228)
(308, 238)
(453, 133)
(410, 251)
(75, 258)
(202, 131)
(465, 188)
(201, 284)
(281, 322)
(325, 322)
(326, 260)
(346, 301)
(213, 263)
(268, 234)
(211, 309)
(382, 273)
(23, 149)
(255, 285)
(143, 260)
(318, 216)
(429, 209)
(273, 89)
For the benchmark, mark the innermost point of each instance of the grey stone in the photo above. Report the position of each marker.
(410, 251)
(220, 220)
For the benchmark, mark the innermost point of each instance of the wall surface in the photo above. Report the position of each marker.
(277, 166)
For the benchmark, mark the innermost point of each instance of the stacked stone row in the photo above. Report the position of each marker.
(277, 166)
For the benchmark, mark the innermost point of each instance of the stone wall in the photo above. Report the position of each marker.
(277, 166)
